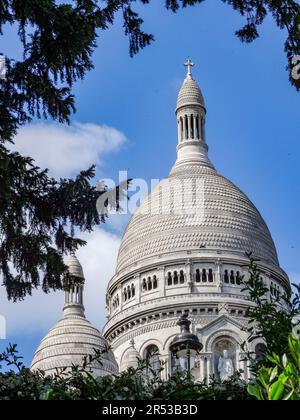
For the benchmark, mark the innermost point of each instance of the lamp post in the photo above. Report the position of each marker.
(185, 345)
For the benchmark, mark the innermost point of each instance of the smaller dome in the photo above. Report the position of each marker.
(74, 267)
(130, 358)
(68, 342)
(190, 94)
(73, 337)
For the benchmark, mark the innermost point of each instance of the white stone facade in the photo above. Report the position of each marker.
(184, 252)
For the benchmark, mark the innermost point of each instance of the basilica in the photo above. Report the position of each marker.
(182, 254)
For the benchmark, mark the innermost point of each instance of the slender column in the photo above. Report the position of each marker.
(189, 126)
(209, 368)
(218, 275)
(202, 368)
(138, 288)
(121, 297)
(179, 130)
(161, 282)
(196, 135)
(242, 364)
(189, 276)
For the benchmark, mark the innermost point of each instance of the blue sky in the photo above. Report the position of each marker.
(253, 120)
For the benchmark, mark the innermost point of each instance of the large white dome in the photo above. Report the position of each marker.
(224, 219)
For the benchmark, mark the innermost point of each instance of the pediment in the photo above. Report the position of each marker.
(222, 322)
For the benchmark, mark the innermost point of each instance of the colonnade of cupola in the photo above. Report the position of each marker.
(191, 126)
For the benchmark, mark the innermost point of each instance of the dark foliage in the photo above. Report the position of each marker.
(133, 384)
(270, 319)
(38, 218)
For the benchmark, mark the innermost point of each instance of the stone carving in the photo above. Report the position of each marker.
(225, 366)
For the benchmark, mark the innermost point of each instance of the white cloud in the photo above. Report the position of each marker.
(65, 150)
(98, 259)
(39, 312)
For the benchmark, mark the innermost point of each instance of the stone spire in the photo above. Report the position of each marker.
(74, 296)
(191, 113)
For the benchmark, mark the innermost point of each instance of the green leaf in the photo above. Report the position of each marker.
(276, 390)
(264, 376)
(255, 391)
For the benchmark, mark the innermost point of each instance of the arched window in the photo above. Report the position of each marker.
(128, 292)
(144, 285)
(125, 294)
(169, 279)
(152, 359)
(238, 278)
(181, 277)
(154, 282)
(210, 275)
(192, 126)
(175, 277)
(132, 290)
(226, 277)
(186, 129)
(149, 284)
(232, 277)
(204, 275)
(197, 275)
(271, 289)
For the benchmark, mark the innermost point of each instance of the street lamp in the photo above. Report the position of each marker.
(185, 345)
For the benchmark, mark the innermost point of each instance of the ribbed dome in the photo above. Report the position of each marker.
(224, 219)
(68, 342)
(74, 267)
(190, 93)
(73, 337)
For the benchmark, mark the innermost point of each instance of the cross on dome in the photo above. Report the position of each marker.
(189, 64)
